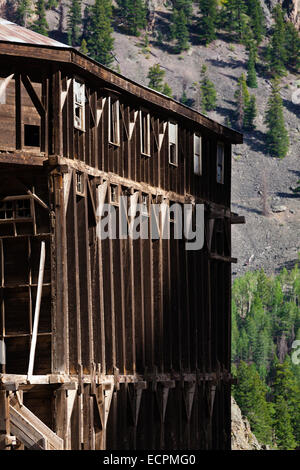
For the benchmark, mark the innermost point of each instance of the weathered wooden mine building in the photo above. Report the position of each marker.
(132, 335)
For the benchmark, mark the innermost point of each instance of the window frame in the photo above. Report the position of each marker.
(14, 209)
(79, 105)
(111, 102)
(200, 163)
(220, 180)
(145, 115)
(173, 143)
(111, 201)
(81, 183)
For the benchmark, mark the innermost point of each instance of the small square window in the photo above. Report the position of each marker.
(145, 133)
(220, 163)
(197, 154)
(113, 121)
(79, 105)
(173, 143)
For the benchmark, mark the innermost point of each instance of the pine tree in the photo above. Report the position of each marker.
(133, 14)
(83, 47)
(250, 394)
(233, 16)
(256, 14)
(51, 4)
(250, 114)
(74, 22)
(292, 46)
(156, 80)
(251, 71)
(283, 428)
(23, 12)
(208, 20)
(277, 135)
(208, 93)
(40, 25)
(242, 100)
(286, 390)
(99, 32)
(276, 54)
(179, 31)
(186, 6)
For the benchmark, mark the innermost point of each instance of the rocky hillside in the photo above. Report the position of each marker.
(241, 436)
(272, 241)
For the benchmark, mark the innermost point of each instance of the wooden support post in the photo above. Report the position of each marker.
(5, 441)
(19, 116)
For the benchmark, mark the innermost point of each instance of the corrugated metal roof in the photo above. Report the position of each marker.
(11, 32)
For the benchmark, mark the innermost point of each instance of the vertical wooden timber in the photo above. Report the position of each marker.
(4, 421)
(60, 348)
(18, 111)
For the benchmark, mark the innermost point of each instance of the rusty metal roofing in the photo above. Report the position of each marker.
(11, 32)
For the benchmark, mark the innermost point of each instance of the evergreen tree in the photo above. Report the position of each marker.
(276, 54)
(51, 4)
(250, 394)
(156, 80)
(99, 32)
(83, 47)
(242, 100)
(186, 6)
(256, 14)
(179, 30)
(167, 90)
(283, 427)
(208, 93)
(208, 20)
(292, 46)
(40, 25)
(286, 389)
(277, 135)
(233, 16)
(74, 22)
(250, 114)
(251, 75)
(133, 14)
(23, 12)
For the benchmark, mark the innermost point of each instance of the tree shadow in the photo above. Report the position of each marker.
(59, 36)
(288, 195)
(233, 64)
(289, 265)
(248, 209)
(291, 107)
(256, 140)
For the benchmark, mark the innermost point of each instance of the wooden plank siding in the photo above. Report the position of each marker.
(139, 328)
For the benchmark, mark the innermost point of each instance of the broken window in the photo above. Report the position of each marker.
(79, 105)
(145, 132)
(80, 184)
(15, 209)
(144, 208)
(114, 194)
(220, 163)
(197, 154)
(113, 121)
(31, 135)
(173, 143)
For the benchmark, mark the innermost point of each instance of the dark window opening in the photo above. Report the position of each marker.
(17, 209)
(31, 135)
